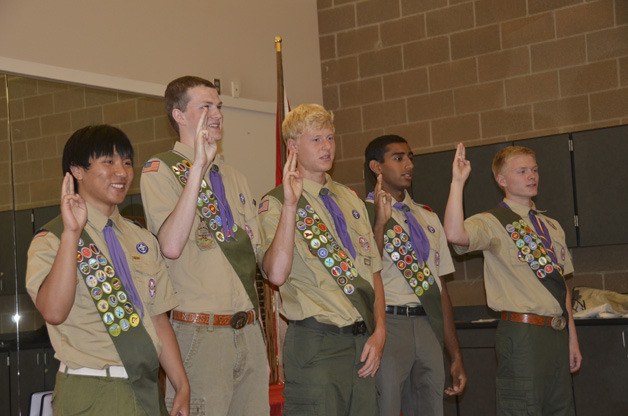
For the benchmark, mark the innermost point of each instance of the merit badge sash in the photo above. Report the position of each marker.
(419, 277)
(121, 320)
(237, 246)
(335, 260)
(530, 250)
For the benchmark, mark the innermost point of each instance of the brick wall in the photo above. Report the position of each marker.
(43, 116)
(478, 71)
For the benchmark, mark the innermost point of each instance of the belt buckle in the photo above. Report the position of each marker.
(558, 323)
(238, 320)
(359, 328)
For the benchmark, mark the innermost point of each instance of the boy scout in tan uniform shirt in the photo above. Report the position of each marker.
(536, 342)
(103, 288)
(510, 285)
(310, 290)
(328, 277)
(216, 322)
(81, 340)
(202, 276)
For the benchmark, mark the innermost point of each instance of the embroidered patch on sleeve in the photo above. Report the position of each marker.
(263, 206)
(151, 166)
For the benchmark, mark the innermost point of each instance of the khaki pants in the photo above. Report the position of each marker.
(227, 369)
(87, 395)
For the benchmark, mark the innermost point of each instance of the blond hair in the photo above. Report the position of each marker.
(305, 117)
(506, 153)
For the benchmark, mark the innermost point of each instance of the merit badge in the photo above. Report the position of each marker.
(349, 289)
(152, 288)
(108, 318)
(102, 306)
(124, 324)
(114, 330)
(142, 248)
(122, 297)
(356, 214)
(106, 287)
(134, 320)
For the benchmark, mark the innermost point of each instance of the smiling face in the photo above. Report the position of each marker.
(519, 178)
(200, 97)
(105, 183)
(316, 149)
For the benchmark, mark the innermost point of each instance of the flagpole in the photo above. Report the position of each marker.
(281, 147)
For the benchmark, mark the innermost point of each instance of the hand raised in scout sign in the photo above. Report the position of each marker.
(73, 207)
(383, 202)
(461, 167)
(292, 180)
(205, 146)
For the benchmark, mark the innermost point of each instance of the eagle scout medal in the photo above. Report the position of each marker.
(203, 237)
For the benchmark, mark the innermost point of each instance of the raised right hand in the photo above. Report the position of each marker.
(73, 207)
(205, 146)
(292, 180)
(383, 202)
(461, 167)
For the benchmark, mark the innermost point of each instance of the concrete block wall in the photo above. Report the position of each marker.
(478, 71)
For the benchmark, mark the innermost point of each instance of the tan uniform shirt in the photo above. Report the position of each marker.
(396, 287)
(204, 280)
(82, 340)
(510, 283)
(310, 291)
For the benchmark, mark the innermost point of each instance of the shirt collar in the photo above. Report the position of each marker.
(97, 220)
(314, 188)
(519, 209)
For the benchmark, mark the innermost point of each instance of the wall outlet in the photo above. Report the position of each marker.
(235, 89)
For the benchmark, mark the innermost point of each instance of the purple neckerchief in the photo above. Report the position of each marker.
(223, 205)
(541, 230)
(419, 240)
(339, 220)
(121, 266)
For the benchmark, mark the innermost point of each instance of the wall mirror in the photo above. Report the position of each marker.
(36, 119)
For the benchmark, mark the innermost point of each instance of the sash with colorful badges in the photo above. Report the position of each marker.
(122, 322)
(236, 245)
(335, 260)
(420, 278)
(530, 250)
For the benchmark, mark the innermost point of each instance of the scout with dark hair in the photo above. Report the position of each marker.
(102, 286)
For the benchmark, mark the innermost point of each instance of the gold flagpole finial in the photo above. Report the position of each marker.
(278, 43)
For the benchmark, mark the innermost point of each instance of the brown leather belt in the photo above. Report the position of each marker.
(236, 321)
(555, 322)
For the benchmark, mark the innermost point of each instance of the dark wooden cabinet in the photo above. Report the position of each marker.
(31, 371)
(599, 387)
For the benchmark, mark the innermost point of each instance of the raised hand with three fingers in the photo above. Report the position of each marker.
(73, 207)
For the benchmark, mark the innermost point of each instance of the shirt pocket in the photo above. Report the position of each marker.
(146, 280)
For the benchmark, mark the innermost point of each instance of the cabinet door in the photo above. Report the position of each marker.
(600, 385)
(601, 175)
(431, 179)
(27, 377)
(5, 384)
